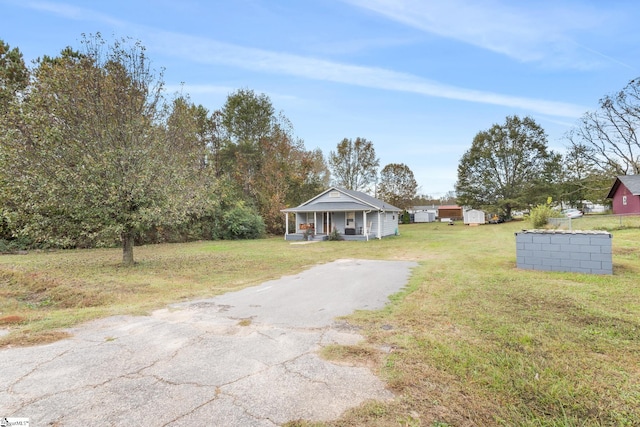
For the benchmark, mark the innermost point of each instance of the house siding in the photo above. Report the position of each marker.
(389, 223)
(328, 198)
(381, 219)
(633, 202)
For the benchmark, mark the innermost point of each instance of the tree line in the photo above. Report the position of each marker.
(94, 153)
(510, 166)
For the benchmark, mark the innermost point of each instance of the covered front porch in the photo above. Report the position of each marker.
(318, 225)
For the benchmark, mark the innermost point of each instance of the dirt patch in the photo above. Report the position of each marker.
(11, 320)
(30, 339)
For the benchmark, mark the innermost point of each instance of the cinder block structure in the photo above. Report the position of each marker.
(573, 251)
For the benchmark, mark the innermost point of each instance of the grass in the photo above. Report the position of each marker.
(599, 222)
(471, 341)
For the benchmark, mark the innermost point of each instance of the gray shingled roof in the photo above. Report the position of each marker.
(632, 182)
(370, 200)
(361, 201)
(330, 206)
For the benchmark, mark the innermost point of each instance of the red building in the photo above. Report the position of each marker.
(625, 194)
(452, 212)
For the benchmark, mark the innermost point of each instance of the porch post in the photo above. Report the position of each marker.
(364, 225)
(286, 225)
(315, 223)
(379, 223)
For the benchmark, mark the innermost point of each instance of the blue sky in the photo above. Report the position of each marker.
(418, 78)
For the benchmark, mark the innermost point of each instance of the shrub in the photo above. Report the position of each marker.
(406, 218)
(308, 234)
(335, 235)
(539, 215)
(242, 222)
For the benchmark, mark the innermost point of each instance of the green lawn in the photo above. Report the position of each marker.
(472, 341)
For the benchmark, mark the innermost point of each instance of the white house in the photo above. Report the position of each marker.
(353, 214)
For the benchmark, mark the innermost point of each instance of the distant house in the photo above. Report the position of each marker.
(353, 214)
(450, 212)
(423, 213)
(625, 194)
(590, 207)
(424, 216)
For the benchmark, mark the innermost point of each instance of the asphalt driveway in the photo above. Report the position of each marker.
(247, 358)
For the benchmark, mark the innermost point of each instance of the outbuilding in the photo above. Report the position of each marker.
(625, 195)
(450, 213)
(474, 216)
(424, 216)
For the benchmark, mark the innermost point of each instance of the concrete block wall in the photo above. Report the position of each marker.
(557, 250)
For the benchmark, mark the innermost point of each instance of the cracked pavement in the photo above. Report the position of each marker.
(246, 358)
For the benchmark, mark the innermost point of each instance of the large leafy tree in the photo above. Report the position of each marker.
(88, 153)
(310, 177)
(246, 119)
(191, 125)
(354, 164)
(259, 154)
(14, 78)
(508, 166)
(192, 128)
(582, 179)
(608, 137)
(398, 185)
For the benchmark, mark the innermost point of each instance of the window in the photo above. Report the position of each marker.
(624, 200)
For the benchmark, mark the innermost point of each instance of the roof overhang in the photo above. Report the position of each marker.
(614, 188)
(331, 207)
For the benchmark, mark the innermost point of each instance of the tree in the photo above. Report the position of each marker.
(193, 130)
(449, 198)
(354, 164)
(425, 200)
(398, 185)
(609, 135)
(261, 155)
(507, 167)
(88, 153)
(14, 75)
(583, 179)
(191, 126)
(312, 177)
(14, 78)
(246, 118)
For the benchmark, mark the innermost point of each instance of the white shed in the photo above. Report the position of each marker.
(424, 216)
(473, 216)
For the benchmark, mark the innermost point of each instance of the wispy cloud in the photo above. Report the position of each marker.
(208, 51)
(73, 12)
(541, 32)
(348, 47)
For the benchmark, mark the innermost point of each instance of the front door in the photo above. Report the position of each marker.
(350, 220)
